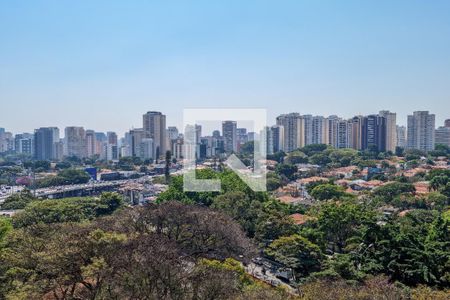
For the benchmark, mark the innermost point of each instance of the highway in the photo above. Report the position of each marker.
(49, 191)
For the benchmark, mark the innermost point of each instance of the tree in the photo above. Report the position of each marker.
(340, 221)
(437, 182)
(167, 251)
(66, 177)
(274, 181)
(313, 149)
(319, 159)
(389, 191)
(18, 201)
(66, 210)
(286, 170)
(296, 252)
(167, 167)
(414, 249)
(399, 151)
(5, 227)
(296, 157)
(241, 208)
(327, 191)
(277, 156)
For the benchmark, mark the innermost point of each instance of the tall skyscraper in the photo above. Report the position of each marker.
(294, 136)
(100, 141)
(7, 141)
(137, 135)
(154, 125)
(229, 132)
(172, 133)
(391, 129)
(308, 129)
(75, 142)
(374, 133)
(332, 125)
(90, 143)
(356, 124)
(46, 140)
(242, 137)
(442, 136)
(401, 136)
(24, 143)
(319, 130)
(421, 127)
(146, 149)
(267, 140)
(198, 133)
(342, 134)
(112, 138)
(277, 138)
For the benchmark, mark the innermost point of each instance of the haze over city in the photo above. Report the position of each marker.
(101, 65)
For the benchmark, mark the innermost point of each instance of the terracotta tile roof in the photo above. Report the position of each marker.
(300, 219)
(404, 212)
(311, 179)
(422, 187)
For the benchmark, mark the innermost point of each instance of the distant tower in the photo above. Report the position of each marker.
(75, 142)
(154, 125)
(294, 135)
(229, 131)
(45, 143)
(391, 129)
(421, 127)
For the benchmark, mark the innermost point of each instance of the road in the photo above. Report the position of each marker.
(45, 192)
(266, 274)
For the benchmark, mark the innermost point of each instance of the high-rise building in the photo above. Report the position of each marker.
(110, 152)
(307, 129)
(447, 123)
(46, 140)
(7, 141)
(154, 125)
(277, 138)
(374, 133)
(137, 135)
(172, 133)
(332, 125)
(24, 143)
(401, 136)
(391, 129)
(294, 136)
(266, 140)
(90, 143)
(421, 127)
(75, 142)
(341, 130)
(100, 141)
(356, 124)
(442, 136)
(178, 148)
(147, 149)
(241, 135)
(112, 138)
(229, 131)
(319, 130)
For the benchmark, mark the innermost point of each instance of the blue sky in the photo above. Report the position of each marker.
(102, 64)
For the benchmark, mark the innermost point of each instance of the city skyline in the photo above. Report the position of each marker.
(99, 65)
(210, 126)
(291, 131)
